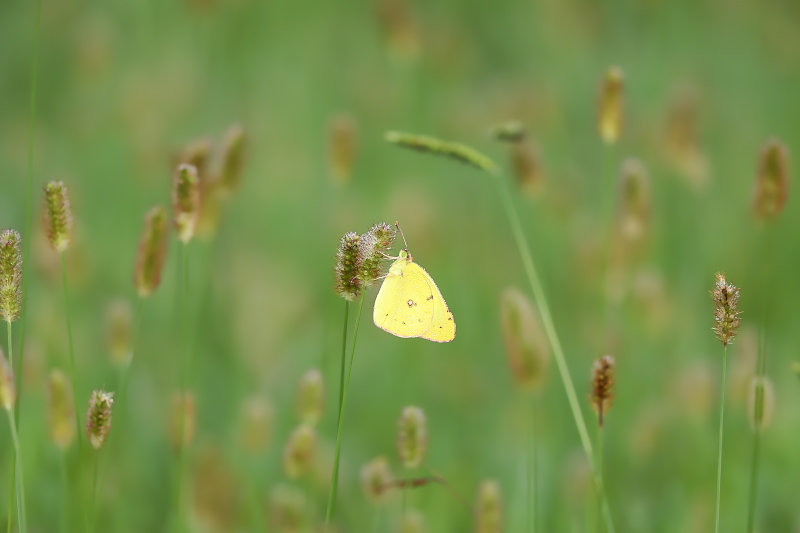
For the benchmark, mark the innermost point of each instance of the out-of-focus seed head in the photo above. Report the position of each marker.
(300, 451)
(185, 201)
(58, 215)
(376, 479)
(348, 267)
(611, 106)
(760, 403)
(10, 275)
(527, 347)
(119, 325)
(527, 162)
(233, 157)
(373, 247)
(152, 251)
(412, 436)
(343, 149)
(772, 183)
(726, 309)
(602, 386)
(412, 522)
(512, 131)
(98, 418)
(287, 508)
(634, 184)
(256, 421)
(183, 422)
(489, 509)
(682, 139)
(311, 396)
(400, 27)
(216, 490)
(796, 368)
(197, 153)
(212, 198)
(8, 385)
(61, 409)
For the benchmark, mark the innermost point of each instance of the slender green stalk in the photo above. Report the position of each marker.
(184, 373)
(20, 486)
(405, 491)
(533, 470)
(550, 330)
(95, 484)
(65, 492)
(335, 475)
(73, 372)
(608, 237)
(601, 492)
(759, 408)
(721, 421)
(344, 354)
(12, 481)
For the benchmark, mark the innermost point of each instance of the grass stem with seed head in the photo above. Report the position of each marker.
(184, 373)
(721, 426)
(757, 427)
(73, 372)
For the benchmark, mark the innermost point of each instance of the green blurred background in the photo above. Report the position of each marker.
(124, 86)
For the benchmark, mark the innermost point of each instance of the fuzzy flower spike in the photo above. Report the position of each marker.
(10, 275)
(58, 215)
(726, 309)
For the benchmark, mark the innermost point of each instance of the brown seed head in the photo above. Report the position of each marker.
(772, 183)
(602, 386)
(185, 201)
(61, 409)
(152, 251)
(10, 275)
(119, 324)
(412, 436)
(373, 247)
(233, 157)
(527, 162)
(58, 215)
(376, 479)
(726, 312)
(300, 451)
(760, 402)
(611, 106)
(288, 509)
(183, 423)
(400, 27)
(634, 200)
(8, 385)
(343, 149)
(489, 511)
(311, 396)
(98, 417)
(348, 267)
(257, 415)
(527, 347)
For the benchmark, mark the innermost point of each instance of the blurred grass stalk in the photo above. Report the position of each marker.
(470, 157)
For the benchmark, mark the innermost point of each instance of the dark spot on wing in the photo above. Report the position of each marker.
(412, 303)
(430, 297)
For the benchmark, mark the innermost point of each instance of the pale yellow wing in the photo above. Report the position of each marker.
(443, 325)
(404, 306)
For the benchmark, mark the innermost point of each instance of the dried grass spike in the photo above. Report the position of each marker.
(311, 396)
(610, 108)
(186, 201)
(10, 275)
(58, 215)
(453, 150)
(373, 248)
(412, 437)
(256, 421)
(760, 403)
(526, 345)
(61, 409)
(300, 451)
(772, 183)
(348, 267)
(343, 147)
(152, 251)
(726, 309)
(233, 157)
(8, 385)
(183, 422)
(376, 480)
(98, 417)
(603, 386)
(635, 200)
(119, 327)
(527, 163)
(489, 511)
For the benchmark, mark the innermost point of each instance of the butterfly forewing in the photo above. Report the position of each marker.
(404, 306)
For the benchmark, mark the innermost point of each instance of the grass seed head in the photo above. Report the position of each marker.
(726, 309)
(760, 403)
(603, 386)
(527, 163)
(635, 200)
(256, 421)
(58, 215)
(10, 275)
(512, 131)
(152, 251)
(197, 153)
(489, 509)
(311, 396)
(61, 409)
(233, 158)
(376, 480)
(300, 451)
(8, 385)
(183, 422)
(772, 183)
(185, 201)
(412, 522)
(343, 147)
(610, 109)
(373, 247)
(348, 267)
(288, 508)
(453, 150)
(412, 437)
(119, 326)
(526, 345)
(401, 28)
(98, 418)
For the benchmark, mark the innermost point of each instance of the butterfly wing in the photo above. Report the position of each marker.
(405, 303)
(443, 326)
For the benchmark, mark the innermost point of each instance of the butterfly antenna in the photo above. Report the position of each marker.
(405, 244)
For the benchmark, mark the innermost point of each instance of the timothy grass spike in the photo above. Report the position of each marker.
(527, 347)
(98, 417)
(10, 275)
(373, 248)
(58, 215)
(453, 150)
(311, 396)
(343, 147)
(186, 201)
(300, 451)
(61, 410)
(233, 158)
(610, 107)
(772, 183)
(512, 131)
(412, 437)
(376, 479)
(726, 309)
(489, 509)
(760, 402)
(152, 251)
(348, 267)
(603, 386)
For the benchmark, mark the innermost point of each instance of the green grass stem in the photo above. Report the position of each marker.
(721, 426)
(73, 372)
(18, 478)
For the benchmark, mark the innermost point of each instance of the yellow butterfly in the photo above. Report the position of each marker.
(409, 303)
